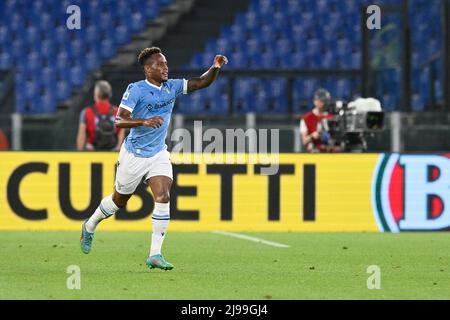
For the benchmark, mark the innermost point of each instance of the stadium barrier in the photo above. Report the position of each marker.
(339, 192)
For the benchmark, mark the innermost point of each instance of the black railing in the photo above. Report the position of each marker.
(7, 91)
(7, 100)
(432, 77)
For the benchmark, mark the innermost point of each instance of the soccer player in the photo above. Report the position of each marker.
(146, 108)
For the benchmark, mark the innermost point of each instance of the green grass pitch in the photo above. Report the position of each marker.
(211, 266)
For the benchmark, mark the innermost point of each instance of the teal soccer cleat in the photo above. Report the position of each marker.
(158, 261)
(86, 239)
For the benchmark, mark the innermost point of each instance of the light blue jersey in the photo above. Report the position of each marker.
(145, 100)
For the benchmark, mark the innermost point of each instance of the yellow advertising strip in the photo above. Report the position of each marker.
(54, 190)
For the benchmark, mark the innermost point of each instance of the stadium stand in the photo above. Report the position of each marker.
(50, 60)
(290, 34)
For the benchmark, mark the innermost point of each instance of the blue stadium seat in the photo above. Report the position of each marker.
(107, 49)
(46, 21)
(191, 104)
(237, 34)
(76, 48)
(63, 89)
(62, 60)
(60, 34)
(47, 102)
(238, 60)
(122, 34)
(47, 77)
(252, 47)
(267, 35)
(5, 35)
(220, 104)
(17, 47)
(92, 60)
(76, 76)
(48, 48)
(138, 21)
(223, 45)
(20, 100)
(277, 90)
(92, 35)
(356, 60)
(30, 89)
(269, 60)
(335, 24)
(343, 89)
(313, 48)
(275, 33)
(329, 60)
(284, 46)
(388, 102)
(302, 94)
(6, 60)
(299, 60)
(417, 103)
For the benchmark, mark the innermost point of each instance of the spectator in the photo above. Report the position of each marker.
(314, 126)
(96, 130)
(4, 144)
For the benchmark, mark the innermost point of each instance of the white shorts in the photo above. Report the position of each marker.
(131, 170)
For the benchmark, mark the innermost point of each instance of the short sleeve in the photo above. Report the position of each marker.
(83, 116)
(180, 86)
(303, 127)
(130, 97)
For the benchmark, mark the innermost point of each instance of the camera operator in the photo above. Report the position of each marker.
(314, 125)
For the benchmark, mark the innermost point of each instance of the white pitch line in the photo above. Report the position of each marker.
(258, 240)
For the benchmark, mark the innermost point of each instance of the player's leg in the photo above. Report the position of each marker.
(159, 179)
(160, 186)
(128, 178)
(107, 208)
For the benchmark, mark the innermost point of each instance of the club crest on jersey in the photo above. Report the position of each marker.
(412, 192)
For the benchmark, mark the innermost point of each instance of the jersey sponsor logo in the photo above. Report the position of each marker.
(160, 105)
(412, 192)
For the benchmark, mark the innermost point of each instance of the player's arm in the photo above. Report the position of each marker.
(81, 136)
(306, 136)
(209, 76)
(124, 120)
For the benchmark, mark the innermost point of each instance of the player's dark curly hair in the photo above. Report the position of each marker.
(146, 54)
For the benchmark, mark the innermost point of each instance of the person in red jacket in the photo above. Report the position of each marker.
(97, 130)
(4, 143)
(314, 126)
